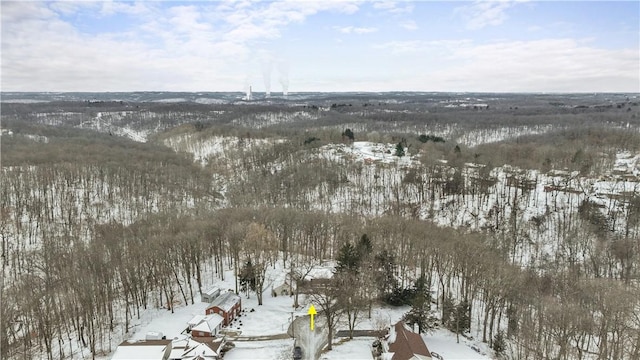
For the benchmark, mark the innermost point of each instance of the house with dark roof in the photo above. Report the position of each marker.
(403, 344)
(227, 305)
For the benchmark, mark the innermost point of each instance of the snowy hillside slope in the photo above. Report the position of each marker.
(541, 208)
(536, 210)
(46, 201)
(218, 146)
(264, 119)
(116, 123)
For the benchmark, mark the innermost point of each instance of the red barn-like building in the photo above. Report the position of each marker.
(227, 305)
(209, 326)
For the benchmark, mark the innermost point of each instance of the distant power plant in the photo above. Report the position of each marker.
(283, 79)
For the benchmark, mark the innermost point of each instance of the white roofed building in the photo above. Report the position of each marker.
(197, 349)
(143, 350)
(195, 321)
(208, 327)
(227, 305)
(210, 294)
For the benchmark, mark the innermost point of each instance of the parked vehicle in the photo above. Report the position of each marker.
(297, 353)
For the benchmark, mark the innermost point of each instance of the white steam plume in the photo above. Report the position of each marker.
(267, 66)
(283, 69)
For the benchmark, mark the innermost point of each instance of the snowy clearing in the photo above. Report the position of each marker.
(251, 332)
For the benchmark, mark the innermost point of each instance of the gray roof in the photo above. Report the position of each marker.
(226, 301)
(212, 290)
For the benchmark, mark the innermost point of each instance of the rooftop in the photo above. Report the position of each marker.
(405, 344)
(196, 347)
(141, 350)
(208, 323)
(212, 290)
(226, 301)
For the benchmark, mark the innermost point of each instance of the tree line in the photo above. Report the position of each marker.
(159, 262)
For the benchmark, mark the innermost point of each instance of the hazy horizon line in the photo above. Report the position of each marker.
(321, 92)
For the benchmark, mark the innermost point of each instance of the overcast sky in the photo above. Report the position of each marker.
(502, 46)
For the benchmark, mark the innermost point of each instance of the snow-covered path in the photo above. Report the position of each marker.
(311, 341)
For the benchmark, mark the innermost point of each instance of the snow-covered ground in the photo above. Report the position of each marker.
(357, 348)
(626, 162)
(444, 343)
(273, 317)
(265, 119)
(368, 152)
(440, 341)
(203, 148)
(491, 135)
(162, 320)
(253, 331)
(380, 184)
(261, 350)
(552, 195)
(37, 138)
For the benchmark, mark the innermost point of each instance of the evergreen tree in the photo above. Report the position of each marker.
(420, 306)
(400, 150)
(425, 138)
(399, 296)
(499, 343)
(448, 308)
(247, 278)
(349, 134)
(348, 259)
(385, 269)
(461, 317)
(364, 245)
(459, 320)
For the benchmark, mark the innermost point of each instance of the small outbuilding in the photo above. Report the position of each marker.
(210, 294)
(284, 289)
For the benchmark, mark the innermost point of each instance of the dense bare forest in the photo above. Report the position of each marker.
(522, 210)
